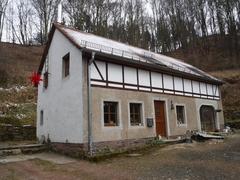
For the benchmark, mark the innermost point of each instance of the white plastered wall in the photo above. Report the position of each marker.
(61, 102)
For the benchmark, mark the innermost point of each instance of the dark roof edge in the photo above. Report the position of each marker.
(45, 51)
(163, 69)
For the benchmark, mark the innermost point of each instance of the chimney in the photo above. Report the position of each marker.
(59, 17)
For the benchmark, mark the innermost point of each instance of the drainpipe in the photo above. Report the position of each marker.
(90, 139)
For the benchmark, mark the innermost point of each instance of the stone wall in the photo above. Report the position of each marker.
(100, 148)
(9, 132)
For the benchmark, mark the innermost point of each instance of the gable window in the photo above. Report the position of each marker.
(110, 113)
(41, 117)
(136, 114)
(181, 117)
(66, 65)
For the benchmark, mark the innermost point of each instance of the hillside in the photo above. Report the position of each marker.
(17, 62)
(213, 54)
(230, 93)
(18, 97)
(217, 58)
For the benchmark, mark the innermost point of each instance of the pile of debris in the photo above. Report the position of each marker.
(202, 136)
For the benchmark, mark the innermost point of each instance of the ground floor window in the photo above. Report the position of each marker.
(181, 117)
(110, 113)
(136, 114)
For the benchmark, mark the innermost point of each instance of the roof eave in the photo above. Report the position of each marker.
(112, 58)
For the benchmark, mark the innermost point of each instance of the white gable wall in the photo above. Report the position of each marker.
(62, 100)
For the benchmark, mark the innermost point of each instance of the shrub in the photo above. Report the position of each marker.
(10, 120)
(234, 124)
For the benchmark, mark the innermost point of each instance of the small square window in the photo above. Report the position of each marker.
(66, 65)
(136, 114)
(41, 117)
(181, 119)
(110, 113)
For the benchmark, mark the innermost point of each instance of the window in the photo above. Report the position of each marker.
(136, 114)
(181, 119)
(110, 113)
(66, 65)
(41, 117)
(45, 80)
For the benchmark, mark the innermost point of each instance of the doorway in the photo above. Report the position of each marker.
(159, 107)
(207, 116)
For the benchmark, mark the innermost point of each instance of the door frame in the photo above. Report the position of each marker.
(165, 100)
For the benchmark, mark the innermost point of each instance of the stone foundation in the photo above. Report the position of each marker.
(120, 146)
(99, 148)
(70, 149)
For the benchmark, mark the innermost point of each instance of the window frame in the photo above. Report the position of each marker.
(118, 124)
(184, 113)
(142, 114)
(45, 80)
(65, 58)
(41, 117)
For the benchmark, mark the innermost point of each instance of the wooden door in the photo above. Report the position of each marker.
(160, 118)
(207, 116)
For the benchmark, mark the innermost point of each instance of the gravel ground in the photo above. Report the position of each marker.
(209, 160)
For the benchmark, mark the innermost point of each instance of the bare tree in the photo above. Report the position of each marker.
(3, 6)
(25, 21)
(47, 12)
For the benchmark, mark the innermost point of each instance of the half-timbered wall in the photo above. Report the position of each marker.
(121, 76)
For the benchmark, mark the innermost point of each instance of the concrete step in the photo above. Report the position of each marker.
(22, 149)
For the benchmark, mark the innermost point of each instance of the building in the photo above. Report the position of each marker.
(98, 92)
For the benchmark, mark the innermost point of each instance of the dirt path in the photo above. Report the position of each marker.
(209, 160)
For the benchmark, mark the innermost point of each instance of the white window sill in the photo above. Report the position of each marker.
(66, 78)
(136, 127)
(111, 127)
(182, 125)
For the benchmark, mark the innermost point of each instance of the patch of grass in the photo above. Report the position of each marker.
(10, 120)
(45, 165)
(156, 142)
(18, 105)
(22, 114)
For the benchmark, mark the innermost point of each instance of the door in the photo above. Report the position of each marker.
(160, 118)
(207, 116)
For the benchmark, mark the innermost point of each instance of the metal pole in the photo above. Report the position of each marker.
(90, 139)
